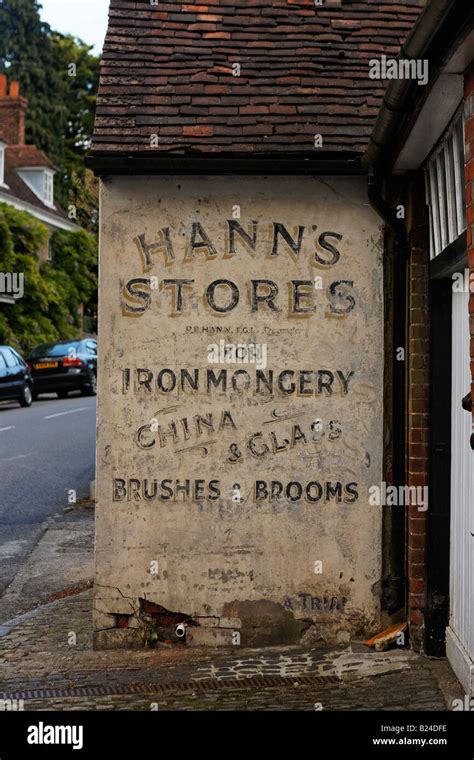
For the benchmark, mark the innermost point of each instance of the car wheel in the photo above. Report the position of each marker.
(91, 389)
(62, 394)
(26, 398)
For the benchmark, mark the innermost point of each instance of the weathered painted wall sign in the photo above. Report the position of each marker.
(240, 386)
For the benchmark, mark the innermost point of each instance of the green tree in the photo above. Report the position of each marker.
(53, 292)
(27, 54)
(59, 76)
(79, 72)
(84, 195)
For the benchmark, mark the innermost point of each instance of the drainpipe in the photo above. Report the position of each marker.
(397, 582)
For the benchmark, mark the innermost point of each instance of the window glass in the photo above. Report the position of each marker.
(460, 133)
(10, 358)
(2, 362)
(56, 349)
(445, 189)
(19, 359)
(48, 187)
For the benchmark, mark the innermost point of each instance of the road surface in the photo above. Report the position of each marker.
(46, 451)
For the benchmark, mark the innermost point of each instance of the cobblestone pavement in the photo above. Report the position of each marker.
(51, 649)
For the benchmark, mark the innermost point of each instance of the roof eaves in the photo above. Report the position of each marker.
(442, 25)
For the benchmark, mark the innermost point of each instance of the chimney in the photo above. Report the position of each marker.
(12, 113)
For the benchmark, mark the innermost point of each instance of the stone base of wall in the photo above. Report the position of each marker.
(247, 623)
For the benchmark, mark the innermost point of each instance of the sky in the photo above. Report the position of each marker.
(86, 19)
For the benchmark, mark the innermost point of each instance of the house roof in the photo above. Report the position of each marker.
(23, 156)
(168, 70)
(15, 188)
(26, 156)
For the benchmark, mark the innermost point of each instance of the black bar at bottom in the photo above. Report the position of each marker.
(135, 734)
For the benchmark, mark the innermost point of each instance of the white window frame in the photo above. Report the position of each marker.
(445, 187)
(48, 187)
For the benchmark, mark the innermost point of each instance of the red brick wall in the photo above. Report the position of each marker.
(12, 113)
(12, 120)
(469, 172)
(418, 394)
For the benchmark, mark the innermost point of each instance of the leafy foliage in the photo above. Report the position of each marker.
(53, 291)
(59, 77)
(26, 54)
(84, 196)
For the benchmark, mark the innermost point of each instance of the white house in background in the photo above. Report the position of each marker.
(26, 173)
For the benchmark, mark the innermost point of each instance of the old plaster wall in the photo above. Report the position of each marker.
(313, 552)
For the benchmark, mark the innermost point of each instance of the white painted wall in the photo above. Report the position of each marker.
(214, 554)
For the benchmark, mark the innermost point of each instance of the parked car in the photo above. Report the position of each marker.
(16, 382)
(65, 366)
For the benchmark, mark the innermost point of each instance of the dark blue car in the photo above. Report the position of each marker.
(69, 365)
(16, 382)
